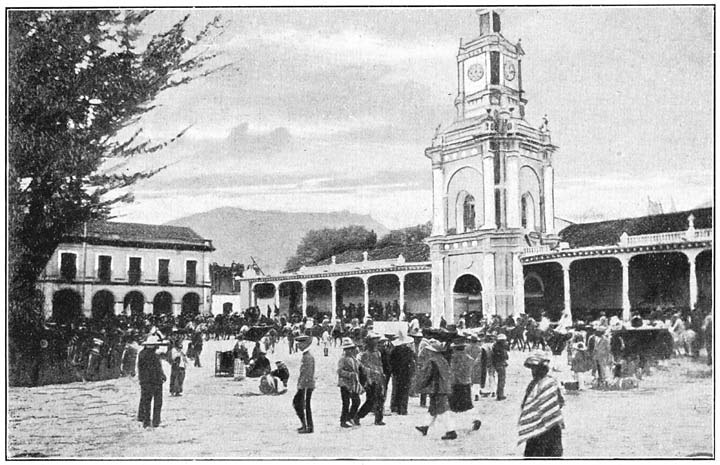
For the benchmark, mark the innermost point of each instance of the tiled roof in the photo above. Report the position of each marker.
(411, 253)
(140, 233)
(609, 232)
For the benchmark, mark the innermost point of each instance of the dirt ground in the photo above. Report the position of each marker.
(669, 415)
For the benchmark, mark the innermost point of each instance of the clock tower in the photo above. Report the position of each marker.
(492, 183)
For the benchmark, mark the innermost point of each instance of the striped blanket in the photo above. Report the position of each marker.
(541, 408)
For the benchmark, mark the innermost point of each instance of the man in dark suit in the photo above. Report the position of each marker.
(151, 377)
(402, 366)
(306, 385)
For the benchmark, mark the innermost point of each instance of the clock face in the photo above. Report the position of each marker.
(509, 71)
(475, 72)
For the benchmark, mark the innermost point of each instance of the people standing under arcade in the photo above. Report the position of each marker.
(305, 385)
(151, 378)
(402, 366)
(348, 372)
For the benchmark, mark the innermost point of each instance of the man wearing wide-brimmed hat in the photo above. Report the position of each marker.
(434, 380)
(151, 378)
(371, 361)
(305, 385)
(349, 383)
(541, 421)
(402, 367)
(499, 363)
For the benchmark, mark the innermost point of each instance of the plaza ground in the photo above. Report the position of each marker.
(670, 415)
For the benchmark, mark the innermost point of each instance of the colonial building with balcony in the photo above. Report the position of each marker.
(107, 267)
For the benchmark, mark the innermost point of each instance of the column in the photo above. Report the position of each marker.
(692, 255)
(566, 287)
(489, 191)
(333, 302)
(118, 308)
(625, 263)
(437, 290)
(513, 190)
(518, 286)
(489, 307)
(366, 297)
(304, 297)
(401, 278)
(549, 197)
(176, 308)
(277, 295)
(438, 226)
(253, 296)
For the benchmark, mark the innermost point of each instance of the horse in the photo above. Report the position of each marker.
(516, 337)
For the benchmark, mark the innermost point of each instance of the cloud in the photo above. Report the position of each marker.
(263, 143)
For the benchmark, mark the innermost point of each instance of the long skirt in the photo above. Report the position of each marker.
(438, 404)
(461, 398)
(547, 444)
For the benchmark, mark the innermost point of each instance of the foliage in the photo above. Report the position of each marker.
(75, 80)
(320, 244)
(406, 236)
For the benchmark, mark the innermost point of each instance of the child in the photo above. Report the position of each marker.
(325, 342)
(178, 361)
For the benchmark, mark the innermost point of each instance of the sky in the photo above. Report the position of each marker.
(331, 109)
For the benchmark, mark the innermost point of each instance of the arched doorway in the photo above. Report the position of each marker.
(467, 298)
(190, 305)
(103, 304)
(227, 308)
(66, 306)
(162, 303)
(135, 301)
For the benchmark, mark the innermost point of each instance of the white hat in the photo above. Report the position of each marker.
(152, 340)
(402, 339)
(501, 337)
(347, 343)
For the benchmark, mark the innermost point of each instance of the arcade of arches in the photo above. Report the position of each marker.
(658, 279)
(67, 304)
(329, 297)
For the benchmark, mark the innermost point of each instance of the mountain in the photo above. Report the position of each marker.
(271, 237)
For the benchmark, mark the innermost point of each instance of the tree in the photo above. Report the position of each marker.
(320, 244)
(407, 236)
(76, 80)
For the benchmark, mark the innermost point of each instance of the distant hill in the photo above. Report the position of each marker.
(271, 237)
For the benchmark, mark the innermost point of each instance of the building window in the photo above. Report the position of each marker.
(527, 210)
(68, 266)
(469, 213)
(494, 67)
(164, 271)
(190, 272)
(135, 270)
(104, 268)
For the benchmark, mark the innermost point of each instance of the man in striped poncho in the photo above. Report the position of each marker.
(541, 420)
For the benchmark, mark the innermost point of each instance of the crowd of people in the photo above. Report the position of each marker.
(449, 368)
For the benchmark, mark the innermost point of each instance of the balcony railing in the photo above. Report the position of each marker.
(536, 250)
(668, 237)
